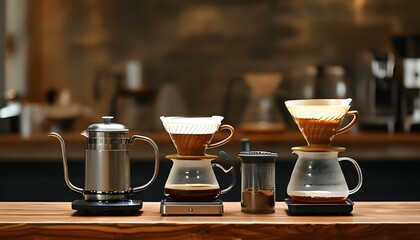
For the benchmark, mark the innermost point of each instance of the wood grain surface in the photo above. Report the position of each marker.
(369, 220)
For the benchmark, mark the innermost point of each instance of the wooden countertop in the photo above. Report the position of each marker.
(53, 220)
(366, 145)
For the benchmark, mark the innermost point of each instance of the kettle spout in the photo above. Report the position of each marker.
(63, 152)
(84, 134)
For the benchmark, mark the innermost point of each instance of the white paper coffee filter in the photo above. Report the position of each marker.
(319, 108)
(191, 125)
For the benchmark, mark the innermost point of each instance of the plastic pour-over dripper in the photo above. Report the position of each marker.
(192, 136)
(319, 120)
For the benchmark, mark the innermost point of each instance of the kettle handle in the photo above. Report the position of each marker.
(156, 150)
(359, 173)
(66, 172)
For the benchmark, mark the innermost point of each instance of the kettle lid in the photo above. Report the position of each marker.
(107, 126)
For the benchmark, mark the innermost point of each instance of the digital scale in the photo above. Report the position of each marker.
(308, 209)
(168, 208)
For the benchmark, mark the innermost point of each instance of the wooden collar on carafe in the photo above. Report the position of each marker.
(318, 148)
(190, 157)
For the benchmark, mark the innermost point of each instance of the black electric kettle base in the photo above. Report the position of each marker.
(310, 209)
(107, 208)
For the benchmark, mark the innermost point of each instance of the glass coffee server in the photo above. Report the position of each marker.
(192, 187)
(317, 184)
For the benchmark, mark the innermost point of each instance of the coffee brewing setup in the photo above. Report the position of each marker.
(317, 184)
(192, 187)
(107, 189)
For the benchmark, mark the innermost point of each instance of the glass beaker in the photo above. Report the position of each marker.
(258, 181)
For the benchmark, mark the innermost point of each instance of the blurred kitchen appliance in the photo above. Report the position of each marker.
(107, 170)
(130, 99)
(411, 99)
(10, 116)
(192, 187)
(407, 49)
(10, 110)
(262, 114)
(62, 112)
(331, 82)
(381, 96)
(303, 82)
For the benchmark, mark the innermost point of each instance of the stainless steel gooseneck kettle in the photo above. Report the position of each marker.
(107, 164)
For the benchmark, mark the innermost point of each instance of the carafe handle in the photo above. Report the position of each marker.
(359, 173)
(224, 141)
(156, 150)
(344, 129)
(231, 170)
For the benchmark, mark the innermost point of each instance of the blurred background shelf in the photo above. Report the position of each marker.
(389, 162)
(31, 169)
(378, 146)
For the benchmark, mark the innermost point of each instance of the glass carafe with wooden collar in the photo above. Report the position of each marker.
(195, 180)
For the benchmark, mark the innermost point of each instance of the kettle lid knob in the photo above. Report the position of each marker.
(107, 119)
(107, 126)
